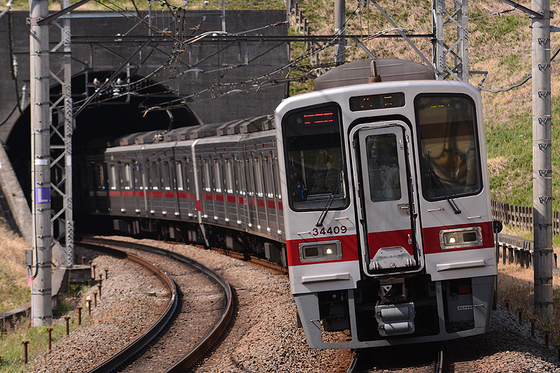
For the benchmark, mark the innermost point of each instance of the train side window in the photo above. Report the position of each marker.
(153, 176)
(165, 176)
(250, 184)
(206, 179)
(276, 178)
(100, 176)
(241, 181)
(268, 185)
(315, 166)
(127, 177)
(137, 177)
(448, 139)
(229, 176)
(258, 176)
(217, 177)
(113, 177)
(179, 175)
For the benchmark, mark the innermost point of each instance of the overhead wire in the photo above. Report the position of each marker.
(516, 84)
(223, 88)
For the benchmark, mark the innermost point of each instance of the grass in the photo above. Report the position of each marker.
(510, 157)
(11, 343)
(13, 293)
(13, 274)
(11, 346)
(516, 287)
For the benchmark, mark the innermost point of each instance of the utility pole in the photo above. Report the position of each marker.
(462, 57)
(542, 159)
(450, 58)
(41, 292)
(339, 26)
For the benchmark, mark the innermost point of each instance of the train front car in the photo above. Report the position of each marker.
(387, 213)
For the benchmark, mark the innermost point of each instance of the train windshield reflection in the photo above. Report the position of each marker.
(450, 164)
(315, 166)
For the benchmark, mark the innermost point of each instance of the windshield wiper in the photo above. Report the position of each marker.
(328, 205)
(440, 185)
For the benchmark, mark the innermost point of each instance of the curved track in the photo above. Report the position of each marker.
(124, 360)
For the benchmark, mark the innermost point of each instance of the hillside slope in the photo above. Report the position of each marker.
(499, 43)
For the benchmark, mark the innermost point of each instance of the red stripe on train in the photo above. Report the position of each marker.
(432, 240)
(348, 244)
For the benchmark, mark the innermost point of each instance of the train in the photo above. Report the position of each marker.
(374, 195)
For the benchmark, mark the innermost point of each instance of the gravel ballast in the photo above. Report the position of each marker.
(264, 336)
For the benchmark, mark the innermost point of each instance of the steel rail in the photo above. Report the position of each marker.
(215, 334)
(132, 349)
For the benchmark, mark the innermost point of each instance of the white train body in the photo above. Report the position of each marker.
(387, 215)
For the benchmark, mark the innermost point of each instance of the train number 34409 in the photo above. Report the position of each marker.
(329, 231)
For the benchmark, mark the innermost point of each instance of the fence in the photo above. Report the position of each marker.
(520, 216)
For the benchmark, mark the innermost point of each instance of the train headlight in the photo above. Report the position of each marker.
(461, 237)
(318, 251)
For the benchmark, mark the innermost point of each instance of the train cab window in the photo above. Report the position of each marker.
(383, 168)
(448, 137)
(315, 166)
(179, 176)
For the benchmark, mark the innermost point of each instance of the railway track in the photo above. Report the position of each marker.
(424, 358)
(192, 323)
(428, 358)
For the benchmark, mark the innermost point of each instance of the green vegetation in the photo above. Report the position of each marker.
(11, 346)
(13, 275)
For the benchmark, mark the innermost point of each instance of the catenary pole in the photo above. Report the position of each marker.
(542, 161)
(41, 293)
(339, 26)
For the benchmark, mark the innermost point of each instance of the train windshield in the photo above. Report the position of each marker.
(314, 164)
(450, 163)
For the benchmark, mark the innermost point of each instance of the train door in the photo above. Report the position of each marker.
(387, 212)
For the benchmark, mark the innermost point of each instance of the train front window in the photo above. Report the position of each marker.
(447, 134)
(383, 168)
(315, 165)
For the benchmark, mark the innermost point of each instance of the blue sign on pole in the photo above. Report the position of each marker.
(43, 195)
